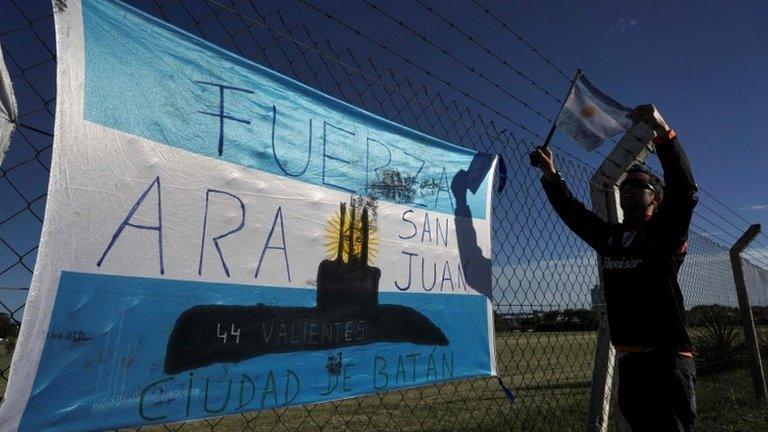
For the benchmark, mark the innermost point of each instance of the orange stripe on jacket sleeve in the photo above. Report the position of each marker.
(660, 139)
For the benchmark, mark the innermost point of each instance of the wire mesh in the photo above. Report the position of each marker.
(543, 275)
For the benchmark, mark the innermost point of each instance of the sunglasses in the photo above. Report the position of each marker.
(636, 183)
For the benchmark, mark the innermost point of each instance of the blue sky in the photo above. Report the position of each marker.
(704, 65)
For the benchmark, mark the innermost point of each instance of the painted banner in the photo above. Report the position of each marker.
(219, 238)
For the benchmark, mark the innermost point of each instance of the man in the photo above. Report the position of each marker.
(640, 259)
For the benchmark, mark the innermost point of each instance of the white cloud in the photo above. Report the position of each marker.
(758, 254)
(709, 233)
(705, 278)
(756, 207)
(624, 24)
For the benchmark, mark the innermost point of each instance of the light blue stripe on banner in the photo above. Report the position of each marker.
(102, 365)
(153, 80)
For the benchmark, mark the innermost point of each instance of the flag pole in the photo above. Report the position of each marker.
(567, 95)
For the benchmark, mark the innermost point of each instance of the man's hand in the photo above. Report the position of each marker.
(542, 157)
(649, 115)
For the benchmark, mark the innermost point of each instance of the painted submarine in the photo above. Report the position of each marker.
(347, 314)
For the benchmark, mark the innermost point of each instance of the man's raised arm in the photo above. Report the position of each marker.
(582, 221)
(676, 208)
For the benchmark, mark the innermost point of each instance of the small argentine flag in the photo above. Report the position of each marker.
(590, 116)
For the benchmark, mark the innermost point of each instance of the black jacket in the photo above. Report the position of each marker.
(640, 262)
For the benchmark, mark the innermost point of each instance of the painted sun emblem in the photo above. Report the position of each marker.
(588, 111)
(333, 229)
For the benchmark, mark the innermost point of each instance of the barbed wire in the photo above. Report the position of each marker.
(520, 38)
(453, 57)
(488, 51)
(426, 71)
(332, 58)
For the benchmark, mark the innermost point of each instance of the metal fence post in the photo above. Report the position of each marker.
(750, 335)
(632, 148)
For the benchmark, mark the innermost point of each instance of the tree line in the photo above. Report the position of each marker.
(589, 319)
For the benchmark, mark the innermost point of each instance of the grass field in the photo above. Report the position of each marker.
(548, 372)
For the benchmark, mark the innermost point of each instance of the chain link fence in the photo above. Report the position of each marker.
(543, 275)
